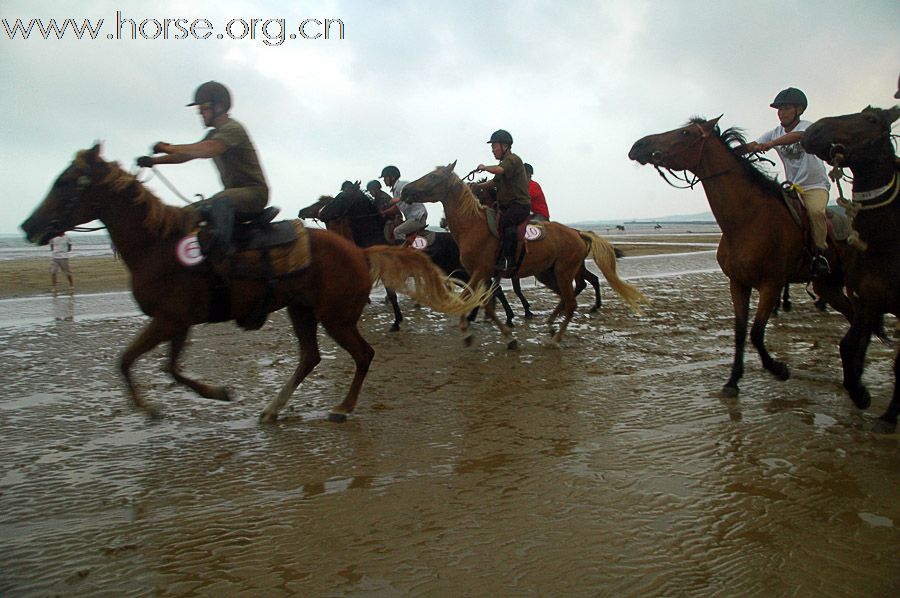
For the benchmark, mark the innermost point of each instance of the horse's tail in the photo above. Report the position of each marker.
(413, 273)
(605, 255)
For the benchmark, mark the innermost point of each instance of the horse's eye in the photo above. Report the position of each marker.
(684, 133)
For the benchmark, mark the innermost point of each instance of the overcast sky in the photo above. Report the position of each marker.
(422, 83)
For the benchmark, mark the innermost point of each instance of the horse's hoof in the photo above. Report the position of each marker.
(268, 418)
(595, 309)
(787, 307)
(220, 393)
(728, 392)
(884, 426)
(395, 327)
(512, 345)
(467, 341)
(337, 418)
(509, 324)
(154, 412)
(552, 330)
(781, 371)
(528, 315)
(861, 398)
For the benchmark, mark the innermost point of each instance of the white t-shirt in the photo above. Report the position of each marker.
(800, 168)
(60, 246)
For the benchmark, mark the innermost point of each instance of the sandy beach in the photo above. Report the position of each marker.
(604, 466)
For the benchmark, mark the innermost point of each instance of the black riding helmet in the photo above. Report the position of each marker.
(789, 97)
(501, 136)
(392, 171)
(212, 92)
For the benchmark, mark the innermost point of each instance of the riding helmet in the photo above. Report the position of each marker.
(392, 171)
(529, 169)
(501, 136)
(789, 97)
(212, 92)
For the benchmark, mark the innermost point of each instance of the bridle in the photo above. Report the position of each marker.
(692, 179)
(69, 204)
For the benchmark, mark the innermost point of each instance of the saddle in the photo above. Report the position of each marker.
(529, 230)
(837, 225)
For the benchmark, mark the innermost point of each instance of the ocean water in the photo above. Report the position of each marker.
(17, 247)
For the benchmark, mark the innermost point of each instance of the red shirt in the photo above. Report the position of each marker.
(538, 202)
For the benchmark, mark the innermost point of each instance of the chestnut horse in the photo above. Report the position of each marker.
(862, 143)
(761, 248)
(585, 276)
(332, 289)
(352, 215)
(554, 260)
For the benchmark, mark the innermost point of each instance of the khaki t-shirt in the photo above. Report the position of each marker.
(239, 165)
(512, 185)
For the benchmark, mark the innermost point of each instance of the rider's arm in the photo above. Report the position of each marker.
(494, 169)
(176, 154)
(786, 139)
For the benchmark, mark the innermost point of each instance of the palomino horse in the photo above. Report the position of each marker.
(332, 289)
(584, 277)
(862, 143)
(353, 216)
(761, 248)
(554, 261)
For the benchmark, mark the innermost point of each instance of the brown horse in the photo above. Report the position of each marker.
(332, 289)
(554, 261)
(862, 143)
(761, 246)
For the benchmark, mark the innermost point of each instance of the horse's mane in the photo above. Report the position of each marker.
(352, 202)
(732, 138)
(468, 203)
(160, 217)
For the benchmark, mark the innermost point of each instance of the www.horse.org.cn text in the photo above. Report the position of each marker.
(269, 31)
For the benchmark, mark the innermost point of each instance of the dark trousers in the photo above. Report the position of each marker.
(510, 217)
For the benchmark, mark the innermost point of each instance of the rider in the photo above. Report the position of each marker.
(246, 192)
(381, 199)
(805, 171)
(415, 216)
(539, 209)
(512, 193)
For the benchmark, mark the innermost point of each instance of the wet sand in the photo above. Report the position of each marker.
(606, 466)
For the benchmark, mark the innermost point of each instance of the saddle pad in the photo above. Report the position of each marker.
(529, 230)
(286, 257)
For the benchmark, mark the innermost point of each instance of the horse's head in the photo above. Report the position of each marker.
(679, 149)
(852, 138)
(433, 187)
(352, 201)
(72, 200)
(312, 211)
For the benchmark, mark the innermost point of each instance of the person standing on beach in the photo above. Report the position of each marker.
(60, 247)
(512, 194)
(539, 209)
(246, 192)
(805, 171)
(415, 216)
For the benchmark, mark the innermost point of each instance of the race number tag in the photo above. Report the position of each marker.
(188, 251)
(419, 243)
(532, 232)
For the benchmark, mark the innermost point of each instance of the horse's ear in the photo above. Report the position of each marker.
(452, 166)
(94, 153)
(710, 125)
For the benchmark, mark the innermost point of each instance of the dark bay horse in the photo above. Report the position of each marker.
(554, 261)
(761, 248)
(149, 236)
(352, 215)
(862, 143)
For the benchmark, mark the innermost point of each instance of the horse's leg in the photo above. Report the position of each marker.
(345, 332)
(517, 289)
(832, 292)
(768, 297)
(219, 393)
(490, 313)
(853, 356)
(154, 333)
(507, 309)
(889, 419)
(304, 322)
(786, 304)
(740, 301)
(587, 275)
(566, 305)
(395, 305)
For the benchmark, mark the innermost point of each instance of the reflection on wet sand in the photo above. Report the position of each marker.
(605, 466)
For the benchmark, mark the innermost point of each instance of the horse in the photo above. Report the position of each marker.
(862, 143)
(352, 215)
(331, 287)
(584, 277)
(761, 247)
(554, 260)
